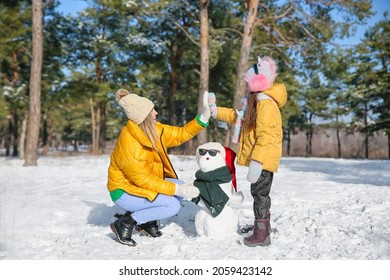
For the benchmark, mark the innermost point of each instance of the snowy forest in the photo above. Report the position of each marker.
(59, 72)
(59, 123)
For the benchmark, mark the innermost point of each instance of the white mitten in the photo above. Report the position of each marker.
(212, 104)
(254, 173)
(205, 115)
(187, 190)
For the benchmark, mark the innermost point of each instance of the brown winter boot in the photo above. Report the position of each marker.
(261, 234)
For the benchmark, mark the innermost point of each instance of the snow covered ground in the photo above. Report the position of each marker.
(322, 209)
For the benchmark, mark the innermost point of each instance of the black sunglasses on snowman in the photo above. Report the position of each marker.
(212, 153)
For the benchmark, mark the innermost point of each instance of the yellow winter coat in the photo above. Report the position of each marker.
(264, 143)
(137, 168)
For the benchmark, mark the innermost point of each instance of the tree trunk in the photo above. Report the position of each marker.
(338, 143)
(366, 126)
(22, 139)
(45, 136)
(94, 148)
(35, 85)
(75, 146)
(8, 134)
(309, 136)
(228, 139)
(215, 131)
(307, 144)
(2, 137)
(244, 55)
(103, 127)
(97, 124)
(12, 136)
(173, 80)
(245, 51)
(311, 142)
(15, 134)
(309, 139)
(338, 135)
(288, 141)
(204, 61)
(388, 144)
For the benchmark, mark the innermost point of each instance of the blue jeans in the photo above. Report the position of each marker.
(163, 207)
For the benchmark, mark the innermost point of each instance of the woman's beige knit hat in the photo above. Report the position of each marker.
(136, 108)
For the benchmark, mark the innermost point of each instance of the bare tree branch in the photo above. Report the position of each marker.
(285, 14)
(47, 3)
(306, 30)
(187, 34)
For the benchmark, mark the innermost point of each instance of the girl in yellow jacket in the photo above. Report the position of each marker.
(141, 178)
(260, 139)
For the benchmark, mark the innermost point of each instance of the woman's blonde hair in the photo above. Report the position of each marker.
(149, 127)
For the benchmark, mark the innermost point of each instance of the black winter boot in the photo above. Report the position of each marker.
(123, 228)
(127, 213)
(149, 228)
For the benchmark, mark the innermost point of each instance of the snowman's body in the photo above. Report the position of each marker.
(226, 222)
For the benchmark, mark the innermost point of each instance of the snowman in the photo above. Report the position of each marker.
(216, 183)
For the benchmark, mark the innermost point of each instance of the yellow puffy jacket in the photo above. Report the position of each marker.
(137, 168)
(264, 143)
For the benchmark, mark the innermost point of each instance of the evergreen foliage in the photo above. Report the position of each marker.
(152, 48)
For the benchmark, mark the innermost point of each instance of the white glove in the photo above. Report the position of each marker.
(254, 173)
(205, 115)
(187, 190)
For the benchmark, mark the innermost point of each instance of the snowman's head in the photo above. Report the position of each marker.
(210, 156)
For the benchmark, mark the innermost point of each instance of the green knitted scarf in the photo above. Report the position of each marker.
(211, 193)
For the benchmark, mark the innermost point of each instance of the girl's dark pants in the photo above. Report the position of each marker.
(260, 193)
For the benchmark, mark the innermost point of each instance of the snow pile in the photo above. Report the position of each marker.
(324, 209)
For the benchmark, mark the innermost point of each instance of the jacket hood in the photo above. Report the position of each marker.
(278, 93)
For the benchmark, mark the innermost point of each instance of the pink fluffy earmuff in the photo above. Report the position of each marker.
(261, 75)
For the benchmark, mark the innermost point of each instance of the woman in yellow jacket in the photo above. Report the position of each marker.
(260, 139)
(141, 178)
